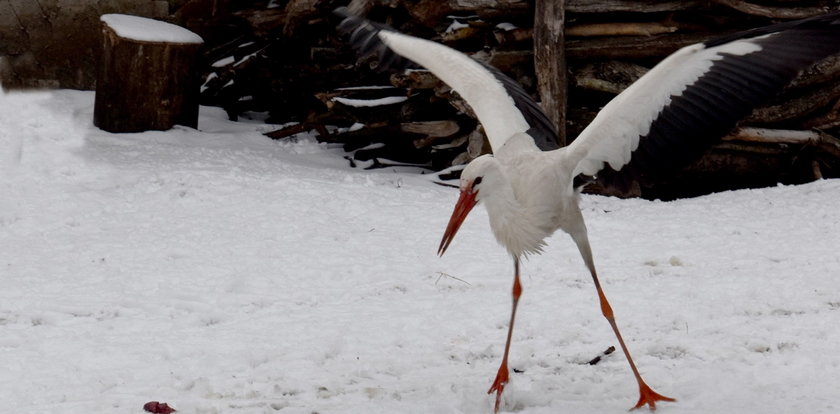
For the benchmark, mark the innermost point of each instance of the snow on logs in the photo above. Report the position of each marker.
(147, 77)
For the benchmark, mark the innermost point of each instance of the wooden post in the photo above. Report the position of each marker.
(147, 77)
(550, 62)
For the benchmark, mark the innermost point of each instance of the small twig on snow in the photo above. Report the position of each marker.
(598, 358)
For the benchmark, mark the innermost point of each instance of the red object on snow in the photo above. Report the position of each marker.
(158, 408)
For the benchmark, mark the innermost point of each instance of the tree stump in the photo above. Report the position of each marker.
(147, 77)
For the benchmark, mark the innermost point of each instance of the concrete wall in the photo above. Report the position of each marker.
(55, 43)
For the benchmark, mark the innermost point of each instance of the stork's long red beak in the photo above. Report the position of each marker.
(465, 203)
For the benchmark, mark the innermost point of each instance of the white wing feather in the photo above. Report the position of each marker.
(493, 106)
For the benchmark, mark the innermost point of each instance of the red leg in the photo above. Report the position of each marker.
(503, 376)
(646, 394)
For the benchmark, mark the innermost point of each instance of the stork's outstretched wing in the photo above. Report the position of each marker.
(665, 119)
(696, 95)
(501, 105)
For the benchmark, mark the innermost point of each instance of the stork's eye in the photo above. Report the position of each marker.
(476, 182)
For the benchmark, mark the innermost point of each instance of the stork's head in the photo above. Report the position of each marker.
(477, 182)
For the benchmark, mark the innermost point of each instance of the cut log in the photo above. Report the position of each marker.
(632, 6)
(510, 61)
(477, 144)
(774, 136)
(297, 14)
(619, 29)
(824, 71)
(610, 76)
(512, 35)
(631, 47)
(147, 78)
(435, 129)
(772, 12)
(797, 107)
(821, 140)
(415, 79)
(458, 33)
(830, 119)
(285, 132)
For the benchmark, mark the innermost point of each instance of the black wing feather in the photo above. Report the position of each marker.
(732, 87)
(364, 39)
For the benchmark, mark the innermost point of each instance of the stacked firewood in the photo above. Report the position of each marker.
(287, 61)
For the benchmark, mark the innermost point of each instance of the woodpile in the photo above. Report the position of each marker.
(289, 62)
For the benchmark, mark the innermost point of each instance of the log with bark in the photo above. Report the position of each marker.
(147, 78)
(550, 62)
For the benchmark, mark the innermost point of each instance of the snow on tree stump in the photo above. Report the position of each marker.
(147, 77)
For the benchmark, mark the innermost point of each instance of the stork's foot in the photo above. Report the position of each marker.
(502, 378)
(649, 397)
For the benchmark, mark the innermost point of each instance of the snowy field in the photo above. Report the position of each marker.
(222, 272)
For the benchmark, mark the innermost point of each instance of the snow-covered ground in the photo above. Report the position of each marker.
(222, 272)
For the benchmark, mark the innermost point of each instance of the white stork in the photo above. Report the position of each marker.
(666, 118)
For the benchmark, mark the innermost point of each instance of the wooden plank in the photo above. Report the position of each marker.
(609, 6)
(773, 12)
(631, 47)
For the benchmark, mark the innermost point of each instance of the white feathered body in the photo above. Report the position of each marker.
(528, 197)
